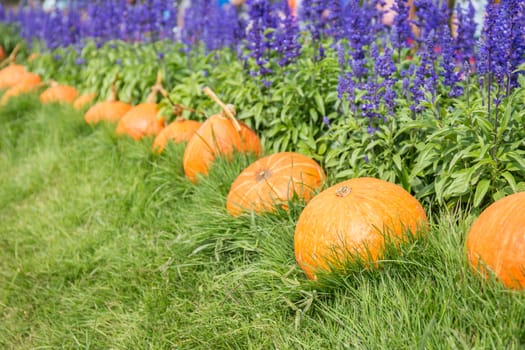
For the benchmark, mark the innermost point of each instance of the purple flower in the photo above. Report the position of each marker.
(516, 11)
(496, 43)
(286, 39)
(448, 64)
(257, 45)
(466, 38)
(431, 16)
(401, 26)
(334, 22)
(385, 68)
(311, 14)
(426, 76)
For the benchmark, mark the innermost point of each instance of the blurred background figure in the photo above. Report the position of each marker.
(233, 2)
(51, 5)
(293, 6)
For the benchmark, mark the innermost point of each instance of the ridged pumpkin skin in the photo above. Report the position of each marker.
(496, 241)
(177, 132)
(352, 219)
(29, 82)
(109, 111)
(83, 100)
(11, 75)
(59, 93)
(141, 121)
(217, 136)
(274, 180)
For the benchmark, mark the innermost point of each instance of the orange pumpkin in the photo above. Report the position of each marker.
(29, 82)
(496, 241)
(2, 53)
(143, 120)
(110, 110)
(352, 219)
(181, 130)
(274, 180)
(83, 100)
(11, 75)
(220, 134)
(59, 93)
(217, 136)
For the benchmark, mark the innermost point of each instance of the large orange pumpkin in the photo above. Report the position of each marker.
(496, 241)
(110, 110)
(59, 93)
(217, 136)
(29, 82)
(220, 134)
(352, 219)
(11, 75)
(84, 100)
(181, 130)
(274, 180)
(143, 120)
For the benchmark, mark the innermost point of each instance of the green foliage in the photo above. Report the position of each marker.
(446, 155)
(9, 38)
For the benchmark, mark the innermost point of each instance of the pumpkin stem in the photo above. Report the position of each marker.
(178, 107)
(263, 175)
(343, 191)
(12, 57)
(227, 110)
(155, 89)
(113, 94)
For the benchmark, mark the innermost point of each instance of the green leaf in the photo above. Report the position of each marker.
(320, 103)
(313, 114)
(510, 180)
(397, 161)
(517, 158)
(460, 185)
(481, 190)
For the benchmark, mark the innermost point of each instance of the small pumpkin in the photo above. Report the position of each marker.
(11, 75)
(111, 110)
(181, 130)
(29, 82)
(352, 219)
(143, 120)
(220, 134)
(84, 100)
(274, 180)
(496, 241)
(59, 93)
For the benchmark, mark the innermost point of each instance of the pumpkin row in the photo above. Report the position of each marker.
(348, 220)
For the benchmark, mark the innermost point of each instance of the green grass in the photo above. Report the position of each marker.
(104, 245)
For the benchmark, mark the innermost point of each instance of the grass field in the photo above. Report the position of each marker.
(104, 245)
